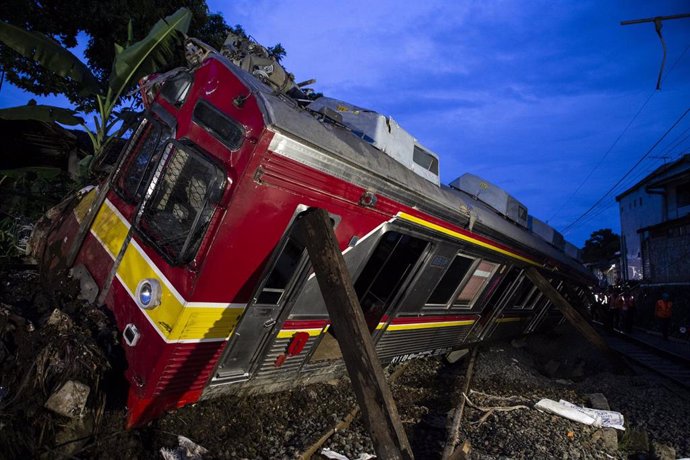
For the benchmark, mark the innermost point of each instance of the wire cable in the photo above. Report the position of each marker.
(615, 142)
(603, 197)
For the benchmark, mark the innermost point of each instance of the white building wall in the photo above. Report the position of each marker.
(638, 209)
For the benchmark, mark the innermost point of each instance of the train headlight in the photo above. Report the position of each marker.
(148, 293)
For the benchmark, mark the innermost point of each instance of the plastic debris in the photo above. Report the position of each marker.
(588, 416)
(69, 400)
(328, 453)
(186, 450)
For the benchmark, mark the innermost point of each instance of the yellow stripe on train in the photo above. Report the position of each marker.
(172, 318)
(509, 320)
(460, 236)
(287, 333)
(413, 326)
(110, 229)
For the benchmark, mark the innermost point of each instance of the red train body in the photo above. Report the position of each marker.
(192, 250)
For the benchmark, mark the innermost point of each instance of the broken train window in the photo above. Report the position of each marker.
(144, 150)
(185, 192)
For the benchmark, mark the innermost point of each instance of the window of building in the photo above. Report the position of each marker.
(683, 195)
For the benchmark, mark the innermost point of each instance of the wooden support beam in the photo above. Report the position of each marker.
(368, 381)
(571, 314)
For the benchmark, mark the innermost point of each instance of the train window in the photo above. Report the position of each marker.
(282, 273)
(147, 145)
(526, 295)
(176, 88)
(476, 284)
(182, 203)
(385, 272)
(451, 279)
(221, 126)
(425, 159)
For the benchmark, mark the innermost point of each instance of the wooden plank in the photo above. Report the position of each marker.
(368, 381)
(450, 452)
(571, 314)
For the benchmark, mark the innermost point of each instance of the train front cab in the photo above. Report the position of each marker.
(158, 223)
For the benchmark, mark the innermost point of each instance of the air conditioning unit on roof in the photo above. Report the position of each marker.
(494, 196)
(385, 134)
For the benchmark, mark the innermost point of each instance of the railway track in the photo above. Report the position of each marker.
(670, 365)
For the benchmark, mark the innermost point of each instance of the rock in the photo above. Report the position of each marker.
(635, 441)
(598, 401)
(663, 452)
(608, 437)
(455, 356)
(551, 368)
(69, 400)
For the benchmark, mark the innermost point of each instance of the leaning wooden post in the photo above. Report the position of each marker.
(570, 313)
(373, 394)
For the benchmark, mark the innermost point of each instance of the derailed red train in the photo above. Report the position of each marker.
(192, 245)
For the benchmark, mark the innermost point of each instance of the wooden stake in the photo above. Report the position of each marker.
(571, 314)
(369, 384)
(454, 434)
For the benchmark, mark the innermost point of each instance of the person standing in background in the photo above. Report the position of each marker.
(663, 312)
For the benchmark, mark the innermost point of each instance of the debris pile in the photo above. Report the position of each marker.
(53, 366)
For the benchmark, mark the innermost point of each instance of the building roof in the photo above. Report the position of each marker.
(659, 174)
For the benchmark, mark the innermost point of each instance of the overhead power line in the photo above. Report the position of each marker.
(618, 138)
(605, 195)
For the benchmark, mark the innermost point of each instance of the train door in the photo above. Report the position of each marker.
(496, 303)
(287, 270)
(385, 276)
(542, 309)
(387, 272)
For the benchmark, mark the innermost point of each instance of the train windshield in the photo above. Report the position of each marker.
(185, 192)
(146, 146)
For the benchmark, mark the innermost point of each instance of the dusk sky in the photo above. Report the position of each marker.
(531, 95)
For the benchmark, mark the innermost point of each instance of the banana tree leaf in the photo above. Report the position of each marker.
(43, 172)
(49, 54)
(44, 113)
(151, 54)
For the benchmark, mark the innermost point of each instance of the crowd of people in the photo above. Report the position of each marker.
(615, 308)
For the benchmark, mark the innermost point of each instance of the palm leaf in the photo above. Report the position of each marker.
(45, 113)
(150, 54)
(49, 54)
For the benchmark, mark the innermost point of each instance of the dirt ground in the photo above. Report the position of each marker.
(37, 356)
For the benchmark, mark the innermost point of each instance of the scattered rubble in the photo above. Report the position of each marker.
(72, 341)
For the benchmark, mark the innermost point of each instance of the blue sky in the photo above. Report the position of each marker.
(529, 95)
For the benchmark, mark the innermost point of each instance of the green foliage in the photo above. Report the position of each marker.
(105, 23)
(51, 55)
(601, 246)
(148, 55)
(44, 113)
